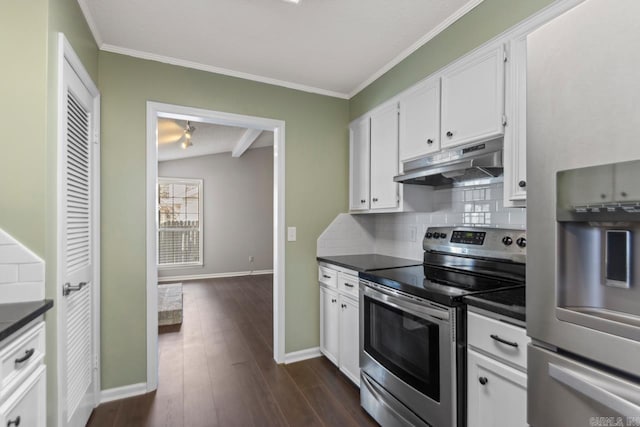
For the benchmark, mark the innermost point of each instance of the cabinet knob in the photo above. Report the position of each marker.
(483, 380)
(362, 201)
(623, 194)
(522, 184)
(603, 196)
(429, 141)
(449, 134)
(333, 300)
(375, 199)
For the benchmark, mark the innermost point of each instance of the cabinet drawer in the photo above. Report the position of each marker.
(348, 284)
(27, 405)
(507, 342)
(328, 276)
(20, 357)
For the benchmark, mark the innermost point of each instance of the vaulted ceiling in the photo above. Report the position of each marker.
(333, 47)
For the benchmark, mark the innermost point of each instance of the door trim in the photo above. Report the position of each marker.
(156, 110)
(66, 53)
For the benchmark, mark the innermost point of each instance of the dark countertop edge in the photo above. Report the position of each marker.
(46, 305)
(330, 259)
(505, 310)
(340, 264)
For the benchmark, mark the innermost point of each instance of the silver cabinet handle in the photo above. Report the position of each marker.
(429, 141)
(586, 386)
(68, 288)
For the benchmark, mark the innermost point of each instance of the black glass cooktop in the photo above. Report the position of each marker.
(441, 285)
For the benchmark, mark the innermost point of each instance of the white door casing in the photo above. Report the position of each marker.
(156, 110)
(78, 259)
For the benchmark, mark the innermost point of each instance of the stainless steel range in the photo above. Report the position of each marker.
(412, 323)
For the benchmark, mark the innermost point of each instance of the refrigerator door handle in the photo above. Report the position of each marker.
(582, 384)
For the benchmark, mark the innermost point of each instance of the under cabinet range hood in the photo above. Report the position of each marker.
(470, 164)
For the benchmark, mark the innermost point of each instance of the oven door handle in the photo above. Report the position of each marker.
(405, 305)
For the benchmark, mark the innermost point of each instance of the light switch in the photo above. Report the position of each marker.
(291, 234)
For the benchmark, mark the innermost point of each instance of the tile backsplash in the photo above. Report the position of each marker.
(401, 234)
(21, 272)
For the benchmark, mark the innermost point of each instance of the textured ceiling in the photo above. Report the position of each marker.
(334, 47)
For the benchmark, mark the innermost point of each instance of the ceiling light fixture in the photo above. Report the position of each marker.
(292, 1)
(188, 133)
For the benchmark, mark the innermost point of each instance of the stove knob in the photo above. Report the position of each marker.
(436, 235)
(428, 235)
(443, 235)
(522, 242)
(507, 240)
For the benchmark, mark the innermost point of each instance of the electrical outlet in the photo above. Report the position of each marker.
(413, 231)
(251, 258)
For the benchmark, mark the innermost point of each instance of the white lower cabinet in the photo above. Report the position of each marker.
(349, 338)
(27, 406)
(329, 318)
(496, 372)
(23, 399)
(339, 322)
(496, 393)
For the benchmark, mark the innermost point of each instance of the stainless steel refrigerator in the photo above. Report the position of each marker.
(583, 217)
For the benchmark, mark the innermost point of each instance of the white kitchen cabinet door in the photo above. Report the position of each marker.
(496, 393)
(473, 99)
(627, 182)
(359, 165)
(329, 322)
(384, 158)
(420, 120)
(27, 406)
(587, 186)
(349, 339)
(515, 135)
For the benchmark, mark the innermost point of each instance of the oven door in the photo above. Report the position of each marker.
(408, 348)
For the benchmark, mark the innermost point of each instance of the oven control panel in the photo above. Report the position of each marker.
(468, 237)
(498, 243)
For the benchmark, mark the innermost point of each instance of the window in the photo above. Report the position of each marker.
(179, 222)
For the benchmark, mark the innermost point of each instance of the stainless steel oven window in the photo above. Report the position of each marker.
(406, 345)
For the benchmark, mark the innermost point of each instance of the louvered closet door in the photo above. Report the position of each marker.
(77, 244)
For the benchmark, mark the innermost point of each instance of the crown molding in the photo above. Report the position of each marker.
(417, 45)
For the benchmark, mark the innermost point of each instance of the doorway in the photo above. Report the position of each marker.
(159, 111)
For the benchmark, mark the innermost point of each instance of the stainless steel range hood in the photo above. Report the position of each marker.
(465, 165)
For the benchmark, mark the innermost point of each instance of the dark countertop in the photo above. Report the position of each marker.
(368, 262)
(15, 316)
(511, 302)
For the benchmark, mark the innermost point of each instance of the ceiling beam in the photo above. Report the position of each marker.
(245, 142)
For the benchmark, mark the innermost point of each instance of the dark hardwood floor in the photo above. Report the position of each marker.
(217, 369)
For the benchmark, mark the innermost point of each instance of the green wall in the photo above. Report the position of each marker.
(23, 80)
(316, 191)
(28, 112)
(485, 21)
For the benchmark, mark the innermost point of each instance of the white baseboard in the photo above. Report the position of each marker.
(213, 275)
(299, 356)
(123, 392)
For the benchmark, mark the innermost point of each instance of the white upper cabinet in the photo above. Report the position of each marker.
(420, 120)
(473, 99)
(384, 157)
(359, 165)
(515, 135)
